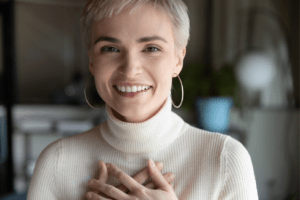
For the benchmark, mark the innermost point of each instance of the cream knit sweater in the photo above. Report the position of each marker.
(207, 165)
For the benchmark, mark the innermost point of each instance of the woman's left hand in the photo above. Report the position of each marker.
(137, 191)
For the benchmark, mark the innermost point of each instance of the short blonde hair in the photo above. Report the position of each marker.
(99, 9)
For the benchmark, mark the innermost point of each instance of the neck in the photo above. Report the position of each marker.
(137, 119)
(149, 136)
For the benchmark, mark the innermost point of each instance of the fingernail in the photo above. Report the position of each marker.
(152, 163)
(100, 164)
(160, 163)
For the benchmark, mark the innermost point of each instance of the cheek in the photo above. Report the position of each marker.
(102, 73)
(163, 76)
(102, 68)
(101, 86)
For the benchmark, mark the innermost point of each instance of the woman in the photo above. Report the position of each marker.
(134, 45)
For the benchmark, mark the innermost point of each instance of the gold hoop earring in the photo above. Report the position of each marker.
(86, 97)
(182, 92)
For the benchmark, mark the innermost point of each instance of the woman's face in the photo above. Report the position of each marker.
(134, 50)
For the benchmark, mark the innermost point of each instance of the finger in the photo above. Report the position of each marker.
(100, 194)
(169, 178)
(172, 184)
(95, 191)
(108, 190)
(142, 176)
(124, 178)
(157, 177)
(103, 175)
(94, 196)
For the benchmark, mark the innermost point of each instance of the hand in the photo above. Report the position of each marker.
(140, 177)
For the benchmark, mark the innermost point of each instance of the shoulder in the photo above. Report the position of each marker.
(205, 138)
(82, 139)
(50, 152)
(237, 171)
(206, 145)
(234, 150)
(221, 145)
(47, 161)
(236, 160)
(64, 145)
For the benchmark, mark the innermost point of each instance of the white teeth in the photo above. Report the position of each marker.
(139, 88)
(132, 89)
(123, 89)
(128, 89)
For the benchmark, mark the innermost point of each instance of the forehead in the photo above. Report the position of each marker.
(140, 22)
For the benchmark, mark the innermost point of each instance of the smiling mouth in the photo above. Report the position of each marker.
(132, 92)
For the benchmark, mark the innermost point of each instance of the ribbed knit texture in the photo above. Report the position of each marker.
(207, 165)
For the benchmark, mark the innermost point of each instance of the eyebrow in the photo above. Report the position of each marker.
(109, 39)
(148, 39)
(141, 40)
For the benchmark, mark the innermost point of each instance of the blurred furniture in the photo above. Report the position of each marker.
(36, 126)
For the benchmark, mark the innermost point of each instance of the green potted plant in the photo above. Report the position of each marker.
(202, 84)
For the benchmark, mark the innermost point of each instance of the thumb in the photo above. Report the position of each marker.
(157, 178)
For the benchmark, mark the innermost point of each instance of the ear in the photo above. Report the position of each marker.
(180, 54)
(91, 65)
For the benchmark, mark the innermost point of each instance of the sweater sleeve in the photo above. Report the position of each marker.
(43, 183)
(239, 180)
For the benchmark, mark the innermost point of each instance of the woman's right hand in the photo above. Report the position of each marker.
(141, 177)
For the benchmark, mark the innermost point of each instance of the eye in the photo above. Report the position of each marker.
(109, 49)
(152, 49)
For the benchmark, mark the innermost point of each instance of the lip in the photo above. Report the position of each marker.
(132, 94)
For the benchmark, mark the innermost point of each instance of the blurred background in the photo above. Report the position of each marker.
(240, 78)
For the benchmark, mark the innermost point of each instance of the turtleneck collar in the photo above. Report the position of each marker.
(152, 135)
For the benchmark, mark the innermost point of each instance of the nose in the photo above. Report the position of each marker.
(131, 66)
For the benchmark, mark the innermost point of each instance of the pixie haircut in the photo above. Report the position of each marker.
(96, 10)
